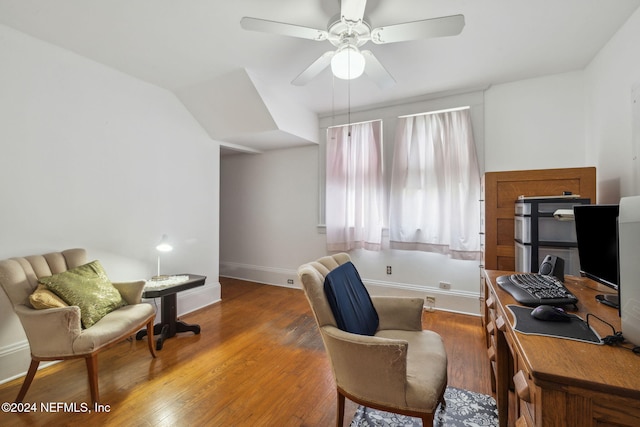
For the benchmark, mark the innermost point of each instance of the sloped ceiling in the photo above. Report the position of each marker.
(236, 109)
(191, 47)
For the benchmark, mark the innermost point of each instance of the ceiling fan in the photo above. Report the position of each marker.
(348, 31)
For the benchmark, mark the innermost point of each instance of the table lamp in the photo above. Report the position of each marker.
(163, 246)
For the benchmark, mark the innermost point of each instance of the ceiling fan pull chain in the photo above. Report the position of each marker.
(349, 104)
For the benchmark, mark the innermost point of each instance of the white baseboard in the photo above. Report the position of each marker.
(259, 274)
(448, 300)
(15, 358)
(191, 299)
(455, 301)
(197, 298)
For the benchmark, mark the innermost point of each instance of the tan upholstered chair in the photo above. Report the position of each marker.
(401, 369)
(56, 333)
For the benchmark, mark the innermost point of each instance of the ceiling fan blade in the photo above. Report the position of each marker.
(374, 69)
(314, 69)
(427, 28)
(352, 10)
(291, 30)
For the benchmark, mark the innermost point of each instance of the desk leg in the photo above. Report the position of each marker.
(169, 314)
(169, 324)
(186, 327)
(157, 328)
(168, 319)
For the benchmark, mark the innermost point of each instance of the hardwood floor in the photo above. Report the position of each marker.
(259, 361)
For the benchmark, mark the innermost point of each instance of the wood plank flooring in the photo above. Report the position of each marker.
(259, 361)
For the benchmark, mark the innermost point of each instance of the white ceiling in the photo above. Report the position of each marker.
(176, 44)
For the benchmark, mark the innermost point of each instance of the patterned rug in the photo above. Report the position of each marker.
(464, 409)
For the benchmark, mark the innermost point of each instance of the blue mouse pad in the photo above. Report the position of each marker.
(576, 329)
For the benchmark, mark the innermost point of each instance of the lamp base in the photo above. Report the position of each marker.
(160, 277)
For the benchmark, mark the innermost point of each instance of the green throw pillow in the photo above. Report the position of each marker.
(87, 287)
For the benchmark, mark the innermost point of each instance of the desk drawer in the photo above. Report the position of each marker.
(525, 392)
(490, 334)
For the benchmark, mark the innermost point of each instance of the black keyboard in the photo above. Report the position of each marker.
(536, 289)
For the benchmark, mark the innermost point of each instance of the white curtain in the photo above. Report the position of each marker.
(435, 186)
(354, 187)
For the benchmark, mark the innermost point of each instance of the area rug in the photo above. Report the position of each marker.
(464, 409)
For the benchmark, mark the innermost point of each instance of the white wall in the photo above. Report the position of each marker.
(268, 212)
(610, 79)
(516, 126)
(575, 119)
(536, 123)
(270, 202)
(93, 158)
(269, 227)
(270, 215)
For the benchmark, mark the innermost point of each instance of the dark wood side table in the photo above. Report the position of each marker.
(169, 324)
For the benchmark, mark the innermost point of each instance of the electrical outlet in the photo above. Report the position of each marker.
(445, 285)
(388, 269)
(290, 281)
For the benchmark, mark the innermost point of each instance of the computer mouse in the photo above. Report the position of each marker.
(550, 313)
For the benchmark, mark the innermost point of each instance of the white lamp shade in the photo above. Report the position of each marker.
(164, 245)
(347, 63)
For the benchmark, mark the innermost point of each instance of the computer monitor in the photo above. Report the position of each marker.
(629, 240)
(597, 236)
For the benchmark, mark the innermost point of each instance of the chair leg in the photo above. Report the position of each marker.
(152, 348)
(340, 415)
(33, 368)
(92, 371)
(427, 420)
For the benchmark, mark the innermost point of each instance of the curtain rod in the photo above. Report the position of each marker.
(358, 123)
(435, 112)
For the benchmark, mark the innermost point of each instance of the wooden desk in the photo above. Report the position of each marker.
(560, 382)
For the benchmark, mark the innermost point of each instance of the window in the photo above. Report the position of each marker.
(435, 185)
(354, 187)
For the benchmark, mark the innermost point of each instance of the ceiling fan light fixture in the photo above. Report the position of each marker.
(347, 63)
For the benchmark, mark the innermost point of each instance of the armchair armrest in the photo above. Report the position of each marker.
(368, 366)
(131, 291)
(399, 312)
(50, 332)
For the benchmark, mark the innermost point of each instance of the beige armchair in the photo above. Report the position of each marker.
(57, 333)
(401, 369)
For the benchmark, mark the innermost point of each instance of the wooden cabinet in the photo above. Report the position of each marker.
(500, 190)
